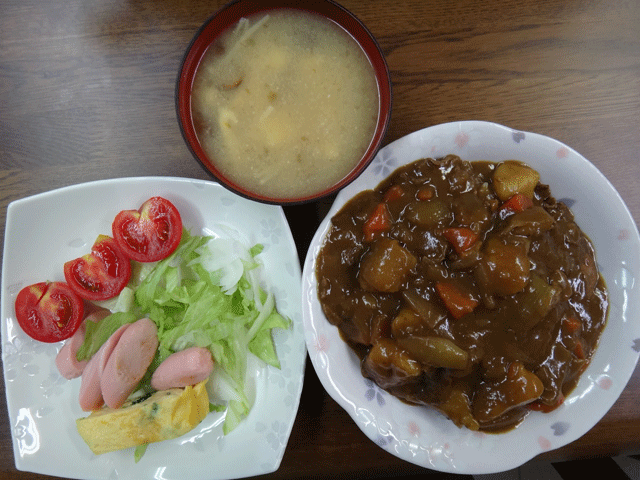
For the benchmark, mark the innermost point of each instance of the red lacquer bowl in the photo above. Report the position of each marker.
(228, 16)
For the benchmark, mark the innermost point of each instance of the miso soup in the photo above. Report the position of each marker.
(285, 103)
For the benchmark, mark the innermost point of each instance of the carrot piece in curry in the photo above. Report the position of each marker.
(379, 221)
(461, 238)
(517, 203)
(425, 193)
(394, 193)
(457, 301)
(571, 324)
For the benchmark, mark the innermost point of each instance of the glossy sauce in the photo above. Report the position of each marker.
(533, 302)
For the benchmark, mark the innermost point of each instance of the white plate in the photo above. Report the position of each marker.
(44, 231)
(425, 437)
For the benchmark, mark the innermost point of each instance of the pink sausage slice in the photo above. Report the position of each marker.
(90, 390)
(187, 367)
(128, 362)
(66, 360)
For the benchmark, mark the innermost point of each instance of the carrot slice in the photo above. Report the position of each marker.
(517, 203)
(571, 324)
(425, 193)
(457, 301)
(461, 238)
(379, 221)
(394, 193)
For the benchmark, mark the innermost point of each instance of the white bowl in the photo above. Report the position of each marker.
(422, 435)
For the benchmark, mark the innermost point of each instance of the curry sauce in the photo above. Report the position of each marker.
(467, 287)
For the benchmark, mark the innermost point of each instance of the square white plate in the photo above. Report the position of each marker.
(44, 231)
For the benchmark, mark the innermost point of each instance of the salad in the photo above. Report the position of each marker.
(199, 291)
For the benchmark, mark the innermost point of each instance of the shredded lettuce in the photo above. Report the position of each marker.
(208, 293)
(139, 452)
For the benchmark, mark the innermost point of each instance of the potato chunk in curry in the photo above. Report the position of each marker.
(386, 266)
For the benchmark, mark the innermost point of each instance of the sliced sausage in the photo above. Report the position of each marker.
(128, 362)
(66, 360)
(90, 387)
(180, 369)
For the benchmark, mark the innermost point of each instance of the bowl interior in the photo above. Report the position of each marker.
(227, 17)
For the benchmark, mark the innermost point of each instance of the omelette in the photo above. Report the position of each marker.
(164, 415)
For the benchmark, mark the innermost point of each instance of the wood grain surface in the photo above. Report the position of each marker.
(87, 93)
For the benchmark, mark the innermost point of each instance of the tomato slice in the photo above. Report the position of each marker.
(49, 311)
(101, 274)
(151, 233)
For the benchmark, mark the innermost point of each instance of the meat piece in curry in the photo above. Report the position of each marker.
(467, 287)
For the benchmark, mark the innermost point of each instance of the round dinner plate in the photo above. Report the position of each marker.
(422, 435)
(44, 231)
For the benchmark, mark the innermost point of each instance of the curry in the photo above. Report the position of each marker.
(465, 286)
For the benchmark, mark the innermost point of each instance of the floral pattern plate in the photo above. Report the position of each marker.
(425, 437)
(44, 231)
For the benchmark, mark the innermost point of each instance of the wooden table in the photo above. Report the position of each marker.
(87, 93)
